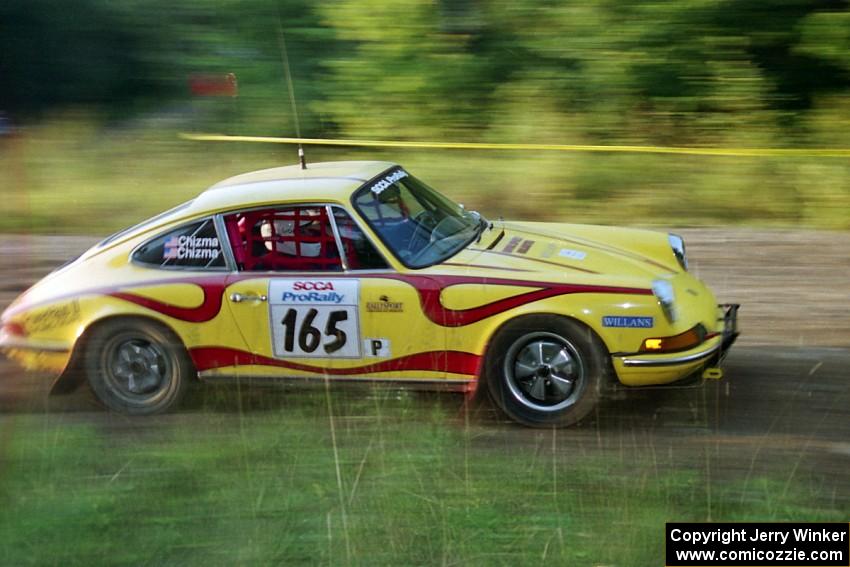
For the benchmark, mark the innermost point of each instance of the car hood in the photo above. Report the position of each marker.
(579, 249)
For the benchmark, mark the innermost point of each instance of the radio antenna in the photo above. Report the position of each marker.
(285, 56)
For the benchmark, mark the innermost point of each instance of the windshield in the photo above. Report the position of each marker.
(419, 225)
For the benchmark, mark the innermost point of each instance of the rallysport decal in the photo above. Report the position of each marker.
(456, 362)
(384, 305)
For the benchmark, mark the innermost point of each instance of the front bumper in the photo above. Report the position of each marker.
(656, 369)
(715, 351)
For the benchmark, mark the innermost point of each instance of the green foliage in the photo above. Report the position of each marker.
(688, 72)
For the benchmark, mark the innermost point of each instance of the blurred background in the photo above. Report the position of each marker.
(93, 96)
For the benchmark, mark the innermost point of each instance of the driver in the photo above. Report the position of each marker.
(286, 228)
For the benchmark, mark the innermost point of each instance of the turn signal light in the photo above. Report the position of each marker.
(682, 341)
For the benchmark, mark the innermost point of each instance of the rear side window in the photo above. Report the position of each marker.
(193, 245)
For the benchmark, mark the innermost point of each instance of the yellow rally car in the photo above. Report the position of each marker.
(359, 271)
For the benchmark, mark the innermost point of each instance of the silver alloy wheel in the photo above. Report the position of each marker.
(544, 372)
(136, 368)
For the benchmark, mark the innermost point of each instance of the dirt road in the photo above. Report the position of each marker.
(783, 407)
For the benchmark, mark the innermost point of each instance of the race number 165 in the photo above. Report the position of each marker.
(320, 331)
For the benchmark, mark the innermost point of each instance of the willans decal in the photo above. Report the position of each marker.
(628, 322)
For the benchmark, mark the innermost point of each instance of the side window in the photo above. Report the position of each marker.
(283, 239)
(193, 245)
(359, 251)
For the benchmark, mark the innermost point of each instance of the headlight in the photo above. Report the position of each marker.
(677, 243)
(663, 291)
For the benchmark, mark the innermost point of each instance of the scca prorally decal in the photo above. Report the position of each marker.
(312, 297)
(191, 247)
(390, 179)
(628, 322)
(319, 292)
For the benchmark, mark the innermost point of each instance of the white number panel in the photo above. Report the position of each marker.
(315, 318)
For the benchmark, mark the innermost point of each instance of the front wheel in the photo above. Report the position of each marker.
(136, 367)
(545, 370)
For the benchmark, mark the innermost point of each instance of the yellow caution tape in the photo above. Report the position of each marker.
(740, 152)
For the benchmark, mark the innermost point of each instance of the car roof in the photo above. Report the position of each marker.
(321, 182)
(327, 181)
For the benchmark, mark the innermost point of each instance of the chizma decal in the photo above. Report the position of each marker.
(191, 247)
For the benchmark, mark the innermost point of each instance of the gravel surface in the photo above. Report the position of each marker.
(783, 407)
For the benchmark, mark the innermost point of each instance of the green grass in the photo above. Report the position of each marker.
(416, 484)
(72, 175)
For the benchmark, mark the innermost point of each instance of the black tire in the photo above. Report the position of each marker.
(545, 370)
(136, 367)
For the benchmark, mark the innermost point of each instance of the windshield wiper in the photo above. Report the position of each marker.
(483, 224)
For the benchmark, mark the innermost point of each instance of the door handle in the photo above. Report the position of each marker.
(239, 298)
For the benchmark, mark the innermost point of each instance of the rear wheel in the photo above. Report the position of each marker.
(136, 366)
(545, 370)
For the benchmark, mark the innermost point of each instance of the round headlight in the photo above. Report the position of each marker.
(677, 243)
(666, 297)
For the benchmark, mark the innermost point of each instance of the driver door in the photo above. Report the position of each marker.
(311, 298)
